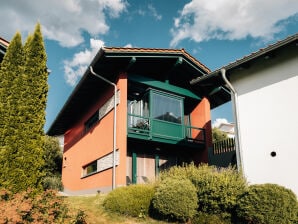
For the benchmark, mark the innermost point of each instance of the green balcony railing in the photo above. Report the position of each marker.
(160, 130)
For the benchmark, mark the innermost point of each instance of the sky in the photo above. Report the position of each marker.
(215, 32)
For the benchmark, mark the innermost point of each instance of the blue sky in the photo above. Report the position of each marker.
(216, 32)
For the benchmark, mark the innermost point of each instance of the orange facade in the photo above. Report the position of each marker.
(161, 121)
(82, 148)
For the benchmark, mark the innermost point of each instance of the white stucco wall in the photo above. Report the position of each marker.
(268, 115)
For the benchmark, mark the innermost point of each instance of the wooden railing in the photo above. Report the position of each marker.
(224, 146)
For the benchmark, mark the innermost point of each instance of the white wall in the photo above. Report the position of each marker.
(268, 115)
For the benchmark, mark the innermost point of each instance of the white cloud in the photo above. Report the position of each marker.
(62, 21)
(219, 121)
(75, 68)
(154, 12)
(150, 10)
(128, 46)
(201, 20)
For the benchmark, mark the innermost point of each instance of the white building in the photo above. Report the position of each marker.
(264, 91)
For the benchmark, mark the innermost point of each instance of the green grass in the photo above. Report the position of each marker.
(96, 214)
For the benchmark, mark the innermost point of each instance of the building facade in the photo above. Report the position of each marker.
(159, 121)
(264, 96)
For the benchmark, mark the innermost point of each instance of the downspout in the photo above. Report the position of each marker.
(115, 124)
(236, 116)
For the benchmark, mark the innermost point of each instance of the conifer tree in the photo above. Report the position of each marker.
(23, 142)
(11, 68)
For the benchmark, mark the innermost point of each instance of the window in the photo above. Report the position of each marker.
(166, 108)
(90, 168)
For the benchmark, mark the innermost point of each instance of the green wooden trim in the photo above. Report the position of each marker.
(163, 86)
(134, 168)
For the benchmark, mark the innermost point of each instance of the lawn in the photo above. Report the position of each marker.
(92, 206)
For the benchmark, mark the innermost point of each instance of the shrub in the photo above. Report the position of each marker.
(217, 189)
(52, 183)
(30, 207)
(133, 200)
(267, 203)
(175, 199)
(205, 218)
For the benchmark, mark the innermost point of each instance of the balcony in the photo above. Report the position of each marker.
(148, 128)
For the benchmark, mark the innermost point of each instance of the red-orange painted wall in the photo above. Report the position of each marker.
(201, 117)
(82, 149)
(97, 143)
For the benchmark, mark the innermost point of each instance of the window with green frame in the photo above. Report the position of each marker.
(166, 107)
(158, 105)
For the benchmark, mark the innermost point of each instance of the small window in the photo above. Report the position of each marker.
(92, 121)
(89, 169)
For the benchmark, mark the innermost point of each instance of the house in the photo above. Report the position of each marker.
(160, 119)
(264, 90)
(3, 47)
(228, 128)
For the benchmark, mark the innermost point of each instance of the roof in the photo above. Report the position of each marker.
(3, 46)
(214, 78)
(175, 65)
(156, 51)
(4, 42)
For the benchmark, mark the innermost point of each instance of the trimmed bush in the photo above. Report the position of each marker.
(267, 204)
(175, 199)
(204, 218)
(217, 189)
(133, 200)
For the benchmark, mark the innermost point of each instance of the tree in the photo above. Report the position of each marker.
(218, 135)
(53, 164)
(11, 67)
(22, 136)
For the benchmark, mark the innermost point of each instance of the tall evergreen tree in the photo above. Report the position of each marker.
(11, 68)
(24, 140)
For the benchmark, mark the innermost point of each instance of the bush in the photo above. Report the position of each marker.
(133, 200)
(204, 218)
(217, 189)
(52, 183)
(175, 199)
(30, 207)
(267, 203)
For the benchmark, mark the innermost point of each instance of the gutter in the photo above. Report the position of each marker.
(115, 124)
(234, 96)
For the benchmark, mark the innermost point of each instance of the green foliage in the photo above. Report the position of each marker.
(133, 200)
(217, 189)
(267, 204)
(52, 156)
(22, 110)
(205, 218)
(53, 164)
(218, 135)
(52, 183)
(175, 199)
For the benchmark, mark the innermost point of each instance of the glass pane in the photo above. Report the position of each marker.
(166, 108)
